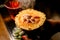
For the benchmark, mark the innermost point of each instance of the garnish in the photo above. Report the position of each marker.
(17, 33)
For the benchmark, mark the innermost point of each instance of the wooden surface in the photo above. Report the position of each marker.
(4, 35)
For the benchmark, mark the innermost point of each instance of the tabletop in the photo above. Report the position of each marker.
(4, 35)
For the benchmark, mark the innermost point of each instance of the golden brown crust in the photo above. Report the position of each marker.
(37, 16)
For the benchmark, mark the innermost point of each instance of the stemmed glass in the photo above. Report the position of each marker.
(13, 7)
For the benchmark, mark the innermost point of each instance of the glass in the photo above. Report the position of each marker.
(13, 7)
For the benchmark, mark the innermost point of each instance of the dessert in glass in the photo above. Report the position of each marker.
(13, 7)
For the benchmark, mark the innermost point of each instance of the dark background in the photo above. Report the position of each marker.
(46, 6)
